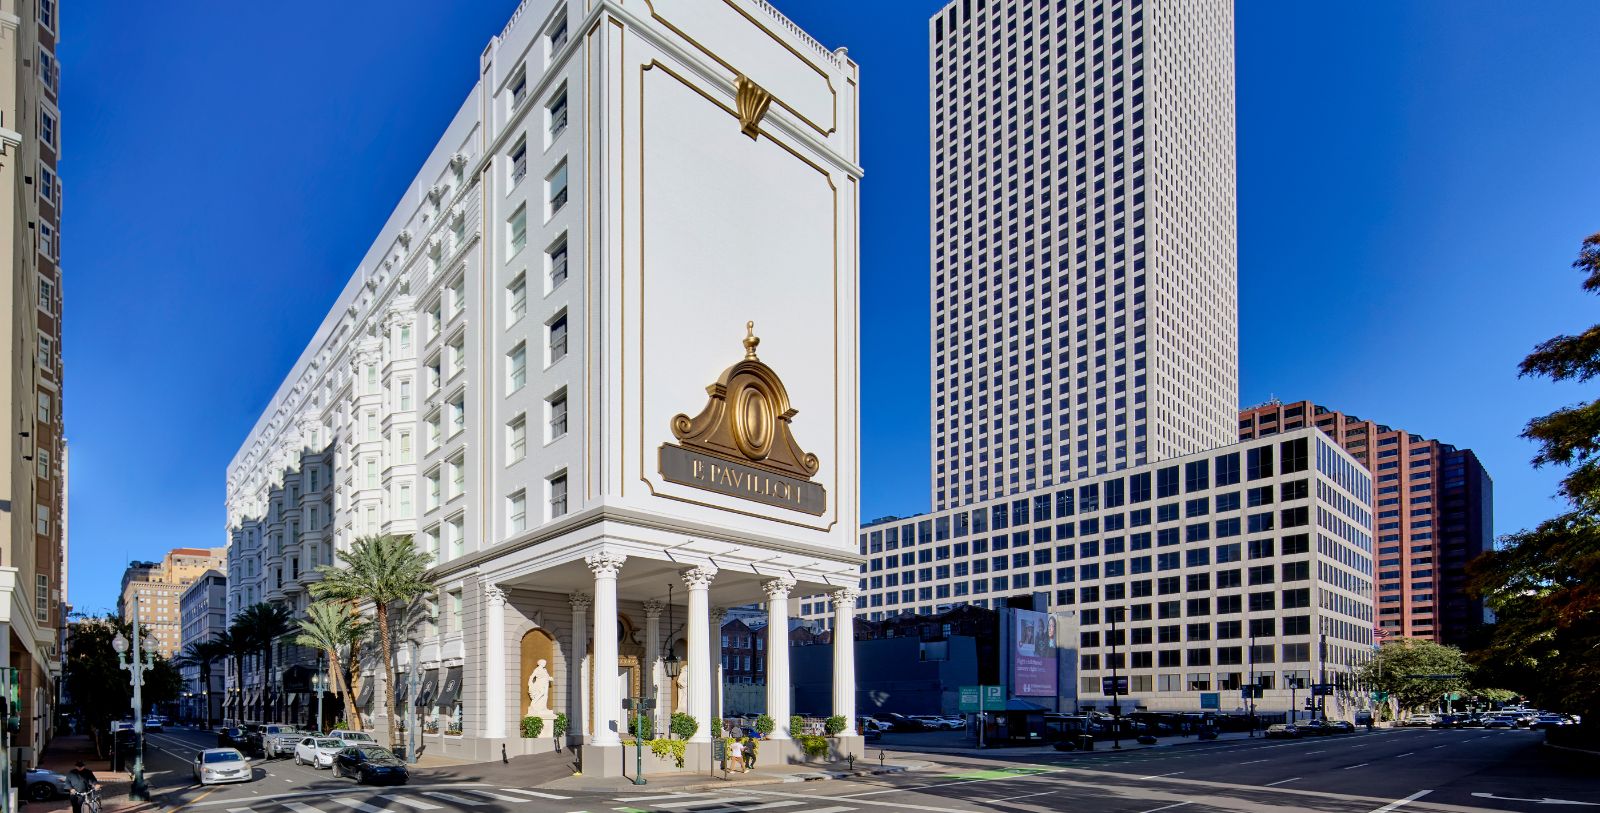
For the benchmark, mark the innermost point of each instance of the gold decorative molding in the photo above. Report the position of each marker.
(747, 418)
(753, 101)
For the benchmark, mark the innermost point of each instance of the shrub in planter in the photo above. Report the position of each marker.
(797, 725)
(833, 725)
(560, 727)
(642, 727)
(765, 724)
(675, 749)
(453, 731)
(532, 727)
(684, 725)
(812, 745)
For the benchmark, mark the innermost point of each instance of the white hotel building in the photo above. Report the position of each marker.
(542, 369)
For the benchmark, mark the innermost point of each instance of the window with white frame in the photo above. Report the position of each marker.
(557, 486)
(557, 331)
(454, 534)
(47, 295)
(456, 355)
(47, 184)
(403, 499)
(47, 347)
(371, 422)
(43, 461)
(458, 413)
(433, 375)
(556, 259)
(405, 339)
(556, 189)
(372, 379)
(47, 68)
(556, 114)
(517, 512)
(430, 543)
(556, 408)
(433, 431)
(519, 161)
(47, 127)
(46, 402)
(458, 476)
(519, 88)
(458, 296)
(403, 394)
(558, 35)
(41, 598)
(431, 496)
(372, 472)
(452, 605)
(517, 232)
(516, 438)
(42, 520)
(47, 239)
(403, 446)
(517, 367)
(517, 299)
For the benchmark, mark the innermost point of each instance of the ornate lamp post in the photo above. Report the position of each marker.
(136, 666)
(319, 684)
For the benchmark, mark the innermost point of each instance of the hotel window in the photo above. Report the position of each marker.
(404, 394)
(453, 614)
(518, 233)
(517, 368)
(47, 240)
(517, 299)
(458, 296)
(458, 413)
(45, 403)
(42, 520)
(556, 258)
(458, 476)
(47, 128)
(433, 490)
(558, 338)
(516, 438)
(519, 161)
(558, 495)
(47, 14)
(403, 497)
(41, 598)
(433, 432)
(47, 184)
(556, 189)
(517, 512)
(372, 425)
(47, 68)
(455, 356)
(405, 339)
(46, 352)
(43, 463)
(558, 35)
(557, 113)
(519, 89)
(454, 535)
(47, 295)
(557, 407)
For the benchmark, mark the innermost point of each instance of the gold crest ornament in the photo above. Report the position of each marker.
(753, 101)
(741, 443)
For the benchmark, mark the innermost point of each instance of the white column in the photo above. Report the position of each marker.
(607, 692)
(844, 658)
(653, 682)
(778, 655)
(718, 615)
(494, 647)
(577, 687)
(699, 657)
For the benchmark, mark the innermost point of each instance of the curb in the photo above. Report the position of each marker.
(808, 776)
(1571, 750)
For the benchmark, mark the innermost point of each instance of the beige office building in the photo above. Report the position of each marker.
(159, 586)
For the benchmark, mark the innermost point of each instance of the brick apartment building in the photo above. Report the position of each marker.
(1433, 511)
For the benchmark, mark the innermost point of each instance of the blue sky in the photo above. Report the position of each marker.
(1414, 180)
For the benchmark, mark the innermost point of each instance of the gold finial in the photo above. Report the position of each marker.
(750, 340)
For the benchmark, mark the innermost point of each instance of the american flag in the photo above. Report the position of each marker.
(1380, 634)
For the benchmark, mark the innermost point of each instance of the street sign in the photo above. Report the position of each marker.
(981, 698)
(1211, 700)
(1117, 685)
(1321, 689)
(1380, 697)
(719, 750)
(1250, 691)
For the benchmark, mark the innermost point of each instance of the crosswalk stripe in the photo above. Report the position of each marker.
(360, 805)
(504, 798)
(240, 810)
(830, 810)
(707, 801)
(451, 797)
(536, 793)
(299, 807)
(749, 808)
(416, 803)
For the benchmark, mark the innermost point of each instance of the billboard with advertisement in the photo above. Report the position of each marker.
(1033, 656)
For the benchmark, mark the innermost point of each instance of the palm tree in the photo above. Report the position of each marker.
(331, 626)
(235, 644)
(266, 624)
(389, 572)
(201, 654)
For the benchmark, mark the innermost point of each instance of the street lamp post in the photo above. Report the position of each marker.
(319, 684)
(413, 684)
(638, 707)
(136, 666)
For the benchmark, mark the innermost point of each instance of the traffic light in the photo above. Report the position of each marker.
(1310, 705)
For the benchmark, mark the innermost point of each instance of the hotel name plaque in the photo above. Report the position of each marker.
(698, 469)
(741, 444)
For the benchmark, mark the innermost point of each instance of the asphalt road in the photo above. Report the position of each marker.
(1406, 770)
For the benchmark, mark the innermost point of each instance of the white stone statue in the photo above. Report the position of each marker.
(539, 691)
(683, 692)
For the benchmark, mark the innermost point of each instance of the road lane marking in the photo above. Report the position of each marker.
(504, 798)
(1441, 746)
(1282, 782)
(898, 805)
(1023, 796)
(1159, 775)
(645, 798)
(1168, 807)
(451, 797)
(299, 807)
(744, 807)
(1309, 753)
(240, 810)
(410, 802)
(1357, 765)
(1252, 762)
(360, 805)
(1406, 754)
(1398, 802)
(705, 801)
(536, 793)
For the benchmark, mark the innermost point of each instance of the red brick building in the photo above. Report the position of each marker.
(1432, 513)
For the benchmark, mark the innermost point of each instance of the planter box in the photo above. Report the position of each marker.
(538, 745)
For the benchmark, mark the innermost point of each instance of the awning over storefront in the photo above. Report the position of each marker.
(450, 694)
(429, 689)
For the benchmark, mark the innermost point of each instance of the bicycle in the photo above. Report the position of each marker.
(91, 799)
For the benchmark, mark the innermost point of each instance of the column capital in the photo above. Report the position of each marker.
(778, 589)
(699, 577)
(580, 602)
(605, 564)
(719, 613)
(845, 597)
(653, 608)
(494, 594)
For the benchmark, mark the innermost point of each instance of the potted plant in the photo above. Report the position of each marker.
(765, 724)
(833, 725)
(559, 729)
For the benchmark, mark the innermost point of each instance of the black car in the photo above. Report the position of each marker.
(1316, 727)
(232, 738)
(370, 765)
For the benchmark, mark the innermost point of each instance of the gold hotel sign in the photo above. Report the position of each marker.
(740, 444)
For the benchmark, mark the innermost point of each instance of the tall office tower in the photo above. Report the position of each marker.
(32, 484)
(159, 586)
(1084, 292)
(1433, 512)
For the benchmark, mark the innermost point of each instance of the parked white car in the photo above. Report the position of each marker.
(353, 737)
(215, 766)
(318, 752)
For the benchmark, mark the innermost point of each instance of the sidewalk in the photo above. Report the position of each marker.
(60, 756)
(1100, 746)
(768, 775)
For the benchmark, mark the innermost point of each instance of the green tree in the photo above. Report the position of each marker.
(332, 627)
(1403, 667)
(1544, 584)
(235, 644)
(264, 624)
(201, 654)
(99, 687)
(389, 572)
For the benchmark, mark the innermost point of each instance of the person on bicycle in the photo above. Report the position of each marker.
(80, 783)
